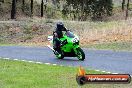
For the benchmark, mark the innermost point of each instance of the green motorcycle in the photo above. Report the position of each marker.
(69, 48)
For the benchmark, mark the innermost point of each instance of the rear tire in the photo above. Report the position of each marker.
(80, 54)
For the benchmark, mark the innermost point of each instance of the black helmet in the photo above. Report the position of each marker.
(60, 26)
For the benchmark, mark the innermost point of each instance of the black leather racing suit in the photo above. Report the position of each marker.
(56, 38)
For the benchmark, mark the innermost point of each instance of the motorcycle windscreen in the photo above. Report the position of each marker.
(69, 34)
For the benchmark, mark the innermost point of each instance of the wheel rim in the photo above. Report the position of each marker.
(79, 55)
(58, 56)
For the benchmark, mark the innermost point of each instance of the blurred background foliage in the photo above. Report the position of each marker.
(80, 10)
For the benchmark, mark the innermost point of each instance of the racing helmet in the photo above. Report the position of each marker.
(59, 26)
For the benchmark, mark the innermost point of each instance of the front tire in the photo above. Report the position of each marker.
(60, 55)
(80, 54)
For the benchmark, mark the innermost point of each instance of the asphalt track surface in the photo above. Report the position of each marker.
(119, 62)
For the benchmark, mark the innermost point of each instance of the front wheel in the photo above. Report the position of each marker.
(80, 54)
(60, 55)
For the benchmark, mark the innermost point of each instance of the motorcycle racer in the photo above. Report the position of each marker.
(57, 34)
(65, 43)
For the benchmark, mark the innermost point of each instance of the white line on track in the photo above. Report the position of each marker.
(61, 65)
(103, 71)
(39, 63)
(109, 72)
(114, 73)
(15, 59)
(97, 70)
(7, 58)
(54, 64)
(47, 63)
(23, 60)
(31, 61)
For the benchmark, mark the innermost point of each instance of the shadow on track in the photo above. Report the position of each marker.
(68, 59)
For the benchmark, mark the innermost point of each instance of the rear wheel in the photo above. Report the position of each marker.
(80, 54)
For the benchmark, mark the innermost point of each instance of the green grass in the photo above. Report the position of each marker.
(17, 74)
(116, 46)
(7, 44)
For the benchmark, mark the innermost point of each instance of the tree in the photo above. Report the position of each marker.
(42, 3)
(2, 1)
(123, 3)
(92, 8)
(54, 2)
(31, 7)
(13, 10)
(128, 1)
(23, 5)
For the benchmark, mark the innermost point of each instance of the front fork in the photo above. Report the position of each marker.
(55, 52)
(75, 49)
